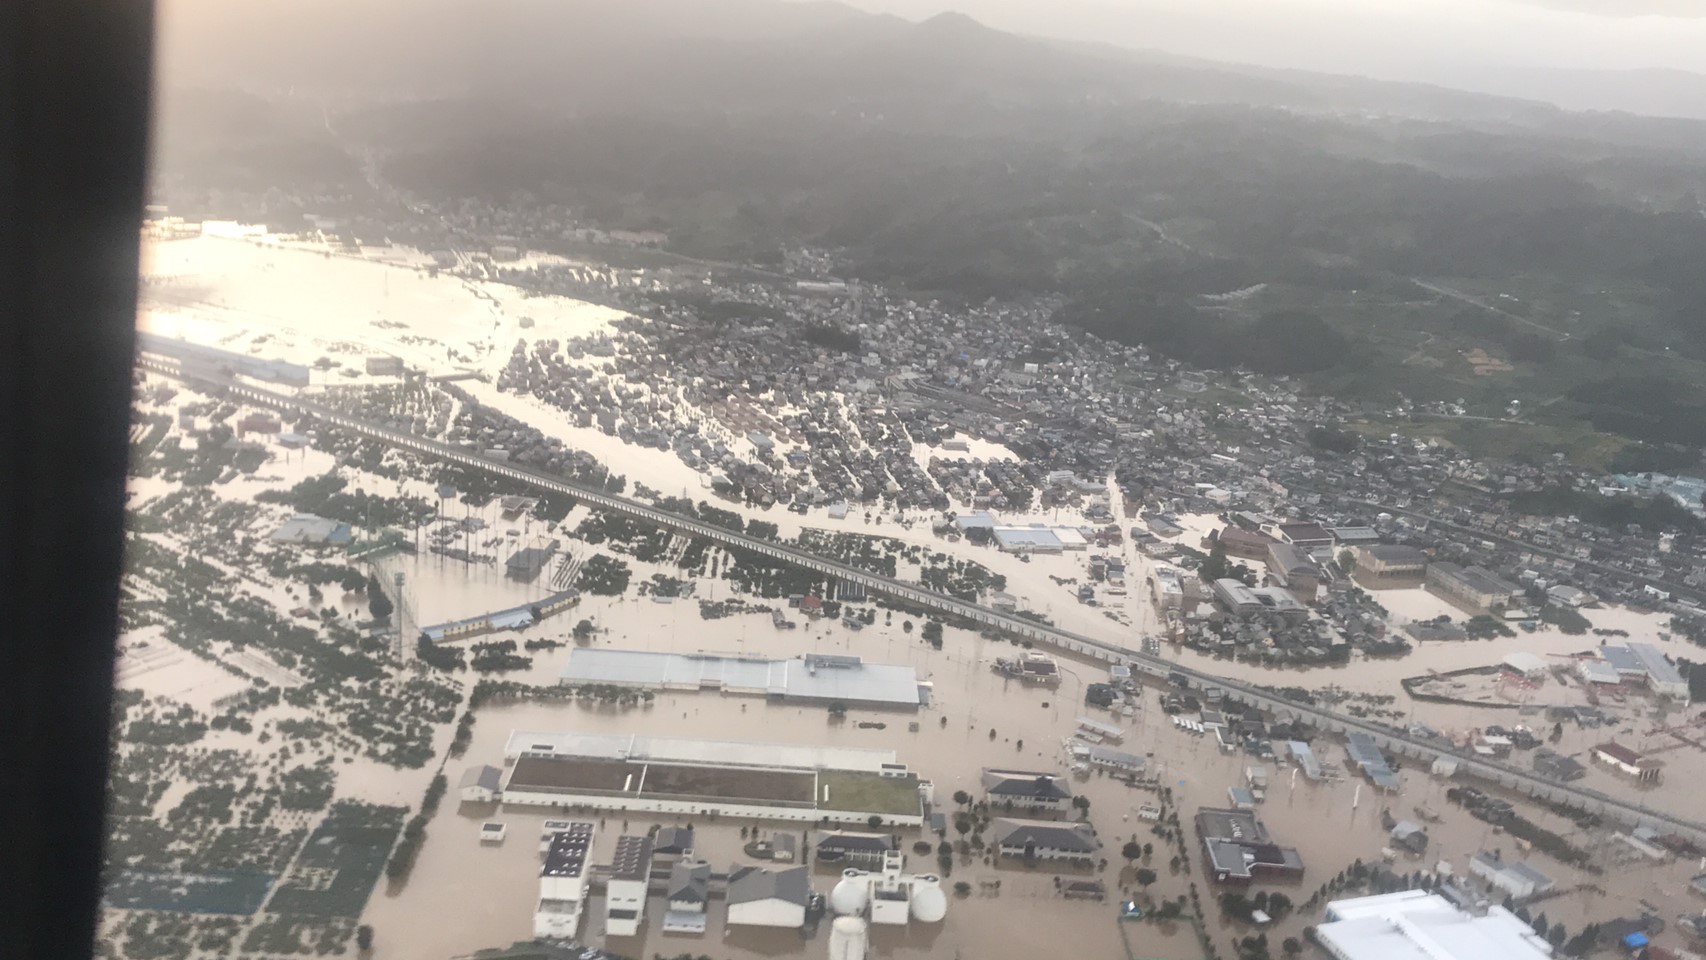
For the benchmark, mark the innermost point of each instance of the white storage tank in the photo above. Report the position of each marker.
(847, 939)
(850, 894)
(929, 903)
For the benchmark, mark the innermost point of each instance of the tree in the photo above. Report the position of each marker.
(378, 603)
(1082, 803)
(1131, 851)
(1291, 946)
(1215, 567)
(874, 821)
(932, 634)
(1145, 877)
(962, 888)
(1148, 851)
(962, 823)
(960, 796)
(364, 937)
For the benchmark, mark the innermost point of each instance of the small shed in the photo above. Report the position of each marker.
(480, 784)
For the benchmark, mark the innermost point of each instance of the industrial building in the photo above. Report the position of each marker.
(813, 678)
(1303, 755)
(1236, 597)
(1519, 880)
(768, 898)
(1168, 589)
(306, 528)
(1644, 664)
(889, 896)
(1245, 544)
(1244, 601)
(1379, 563)
(1364, 754)
(195, 358)
(1239, 849)
(563, 882)
(709, 777)
(1305, 537)
(626, 887)
(514, 618)
(1417, 925)
(1293, 570)
(1474, 588)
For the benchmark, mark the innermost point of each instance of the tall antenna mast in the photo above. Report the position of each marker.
(404, 617)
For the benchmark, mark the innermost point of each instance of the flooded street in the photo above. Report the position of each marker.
(491, 890)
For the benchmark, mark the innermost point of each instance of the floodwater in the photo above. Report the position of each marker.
(489, 891)
(462, 896)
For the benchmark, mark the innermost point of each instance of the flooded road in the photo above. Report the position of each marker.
(490, 891)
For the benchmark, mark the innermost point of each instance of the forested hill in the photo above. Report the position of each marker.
(1276, 220)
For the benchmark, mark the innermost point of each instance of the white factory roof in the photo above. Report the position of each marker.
(1658, 668)
(1417, 925)
(808, 678)
(1524, 662)
(677, 750)
(1035, 537)
(1598, 671)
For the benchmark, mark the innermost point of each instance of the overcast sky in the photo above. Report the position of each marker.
(1455, 42)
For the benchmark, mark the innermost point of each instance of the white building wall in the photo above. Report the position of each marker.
(624, 895)
(767, 913)
(697, 808)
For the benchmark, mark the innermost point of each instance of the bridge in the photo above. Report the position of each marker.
(1421, 752)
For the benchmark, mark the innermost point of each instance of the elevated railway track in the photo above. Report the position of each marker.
(1418, 752)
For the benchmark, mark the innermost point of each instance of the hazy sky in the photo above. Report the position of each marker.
(1444, 41)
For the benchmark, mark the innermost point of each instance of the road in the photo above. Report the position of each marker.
(1460, 296)
(1425, 752)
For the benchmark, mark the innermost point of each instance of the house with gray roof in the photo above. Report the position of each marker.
(673, 841)
(689, 886)
(1044, 840)
(768, 898)
(1026, 789)
(1519, 880)
(480, 784)
(862, 850)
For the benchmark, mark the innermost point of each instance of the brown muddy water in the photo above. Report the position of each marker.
(463, 895)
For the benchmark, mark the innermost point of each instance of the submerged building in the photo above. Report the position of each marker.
(1418, 925)
(813, 678)
(1240, 850)
(889, 896)
(711, 777)
(563, 882)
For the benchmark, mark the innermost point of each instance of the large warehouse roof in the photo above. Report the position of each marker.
(810, 677)
(675, 750)
(1417, 925)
